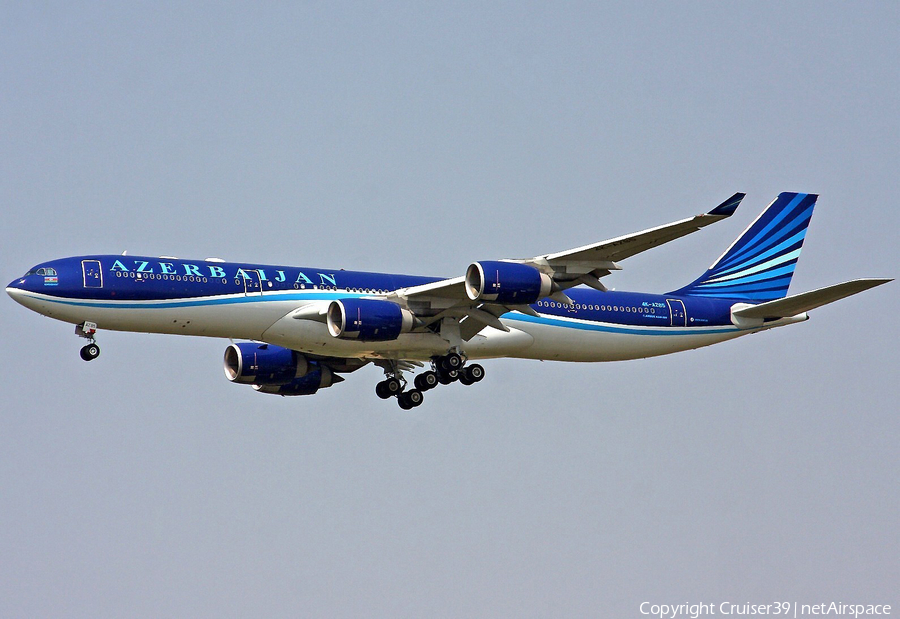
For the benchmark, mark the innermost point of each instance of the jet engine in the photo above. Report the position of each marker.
(249, 363)
(367, 320)
(506, 282)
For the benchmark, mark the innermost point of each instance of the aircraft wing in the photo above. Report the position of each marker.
(626, 246)
(449, 298)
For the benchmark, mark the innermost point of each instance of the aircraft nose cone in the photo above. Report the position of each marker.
(13, 290)
(17, 288)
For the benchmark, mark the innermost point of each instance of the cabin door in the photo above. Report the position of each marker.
(677, 313)
(252, 283)
(93, 275)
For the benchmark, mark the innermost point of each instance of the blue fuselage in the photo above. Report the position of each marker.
(253, 301)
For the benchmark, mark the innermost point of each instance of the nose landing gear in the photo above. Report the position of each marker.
(87, 330)
(90, 352)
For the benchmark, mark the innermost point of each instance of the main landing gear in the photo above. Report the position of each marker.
(87, 330)
(452, 367)
(446, 369)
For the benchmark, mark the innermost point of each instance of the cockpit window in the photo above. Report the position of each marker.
(42, 271)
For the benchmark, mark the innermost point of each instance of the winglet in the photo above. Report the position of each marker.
(729, 206)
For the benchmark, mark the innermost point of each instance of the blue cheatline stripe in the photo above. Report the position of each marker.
(608, 328)
(514, 316)
(801, 220)
(204, 301)
(782, 212)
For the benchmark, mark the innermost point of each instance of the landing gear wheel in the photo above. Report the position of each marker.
(473, 373)
(410, 399)
(413, 397)
(445, 378)
(388, 387)
(381, 390)
(451, 361)
(90, 352)
(426, 380)
(393, 386)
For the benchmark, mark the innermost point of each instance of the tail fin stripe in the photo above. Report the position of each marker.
(759, 265)
(799, 225)
(745, 291)
(760, 284)
(749, 279)
(769, 265)
(774, 215)
(793, 243)
(800, 221)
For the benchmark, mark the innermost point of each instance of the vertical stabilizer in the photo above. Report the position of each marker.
(759, 265)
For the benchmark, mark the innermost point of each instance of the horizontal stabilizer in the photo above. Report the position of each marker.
(799, 303)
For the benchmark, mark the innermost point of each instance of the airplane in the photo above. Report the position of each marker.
(306, 327)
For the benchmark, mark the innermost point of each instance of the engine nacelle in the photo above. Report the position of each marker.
(263, 364)
(506, 282)
(319, 377)
(367, 320)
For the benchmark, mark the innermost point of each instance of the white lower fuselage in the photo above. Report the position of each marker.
(269, 318)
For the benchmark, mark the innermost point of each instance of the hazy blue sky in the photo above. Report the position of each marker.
(417, 138)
